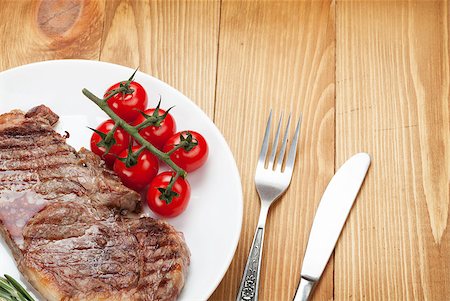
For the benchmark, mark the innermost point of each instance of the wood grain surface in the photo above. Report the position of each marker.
(392, 88)
(281, 56)
(368, 76)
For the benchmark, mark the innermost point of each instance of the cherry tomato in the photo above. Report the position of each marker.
(139, 175)
(157, 135)
(177, 204)
(121, 137)
(127, 106)
(191, 159)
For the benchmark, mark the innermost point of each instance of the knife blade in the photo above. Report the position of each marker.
(333, 209)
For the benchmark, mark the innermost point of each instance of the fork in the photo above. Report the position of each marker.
(271, 182)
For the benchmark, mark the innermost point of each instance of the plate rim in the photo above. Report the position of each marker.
(228, 260)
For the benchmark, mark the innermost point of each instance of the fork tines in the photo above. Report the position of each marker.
(289, 161)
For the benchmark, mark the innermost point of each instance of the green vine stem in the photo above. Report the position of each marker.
(182, 144)
(132, 130)
(110, 134)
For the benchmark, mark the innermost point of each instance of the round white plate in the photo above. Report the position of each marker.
(212, 222)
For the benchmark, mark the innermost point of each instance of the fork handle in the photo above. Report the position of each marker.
(248, 290)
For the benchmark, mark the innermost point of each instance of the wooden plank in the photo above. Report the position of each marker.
(175, 41)
(42, 30)
(278, 55)
(393, 102)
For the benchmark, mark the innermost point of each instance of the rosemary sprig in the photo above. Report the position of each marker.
(11, 290)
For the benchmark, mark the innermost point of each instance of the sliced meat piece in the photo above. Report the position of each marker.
(37, 166)
(83, 253)
(70, 224)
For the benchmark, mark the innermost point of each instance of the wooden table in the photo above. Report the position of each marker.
(367, 76)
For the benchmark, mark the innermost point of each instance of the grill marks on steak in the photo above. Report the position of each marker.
(123, 258)
(38, 167)
(63, 215)
(90, 252)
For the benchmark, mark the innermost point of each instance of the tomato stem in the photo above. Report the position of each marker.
(132, 75)
(133, 131)
(153, 120)
(140, 150)
(182, 144)
(150, 120)
(114, 92)
(167, 194)
(172, 181)
(110, 134)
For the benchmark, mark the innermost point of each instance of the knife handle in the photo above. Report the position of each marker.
(304, 290)
(248, 290)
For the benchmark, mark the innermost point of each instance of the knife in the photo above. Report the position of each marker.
(336, 202)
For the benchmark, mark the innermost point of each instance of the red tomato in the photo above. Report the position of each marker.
(191, 159)
(178, 203)
(157, 135)
(127, 106)
(121, 137)
(139, 175)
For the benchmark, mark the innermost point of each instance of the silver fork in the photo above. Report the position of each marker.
(271, 183)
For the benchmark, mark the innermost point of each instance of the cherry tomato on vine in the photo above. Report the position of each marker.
(121, 137)
(139, 175)
(191, 157)
(128, 104)
(180, 194)
(157, 135)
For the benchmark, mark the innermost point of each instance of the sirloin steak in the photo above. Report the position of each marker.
(72, 227)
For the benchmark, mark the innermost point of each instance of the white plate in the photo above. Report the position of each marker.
(212, 222)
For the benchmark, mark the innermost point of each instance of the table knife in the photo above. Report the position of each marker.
(334, 207)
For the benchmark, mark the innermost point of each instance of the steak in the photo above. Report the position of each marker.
(73, 228)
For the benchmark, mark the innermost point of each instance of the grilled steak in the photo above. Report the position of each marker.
(73, 227)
